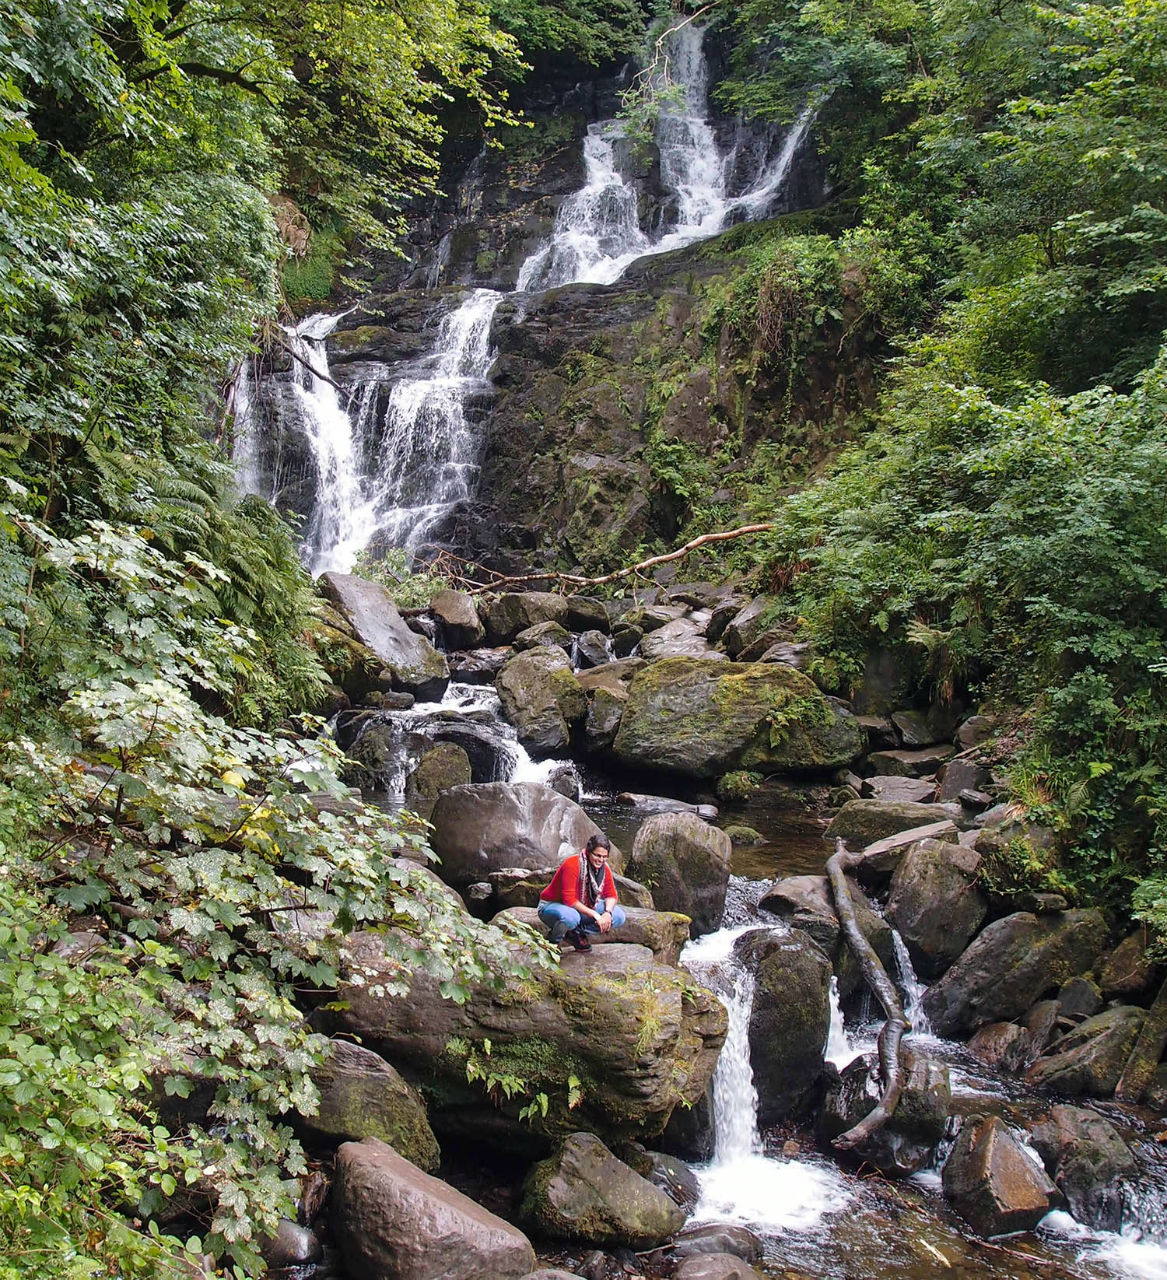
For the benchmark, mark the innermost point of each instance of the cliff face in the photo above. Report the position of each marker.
(611, 412)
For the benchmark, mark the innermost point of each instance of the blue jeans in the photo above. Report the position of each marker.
(557, 918)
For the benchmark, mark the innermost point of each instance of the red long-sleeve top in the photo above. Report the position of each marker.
(564, 886)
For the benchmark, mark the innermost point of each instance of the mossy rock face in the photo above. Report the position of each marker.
(362, 1096)
(542, 698)
(703, 718)
(584, 1193)
(506, 615)
(639, 1039)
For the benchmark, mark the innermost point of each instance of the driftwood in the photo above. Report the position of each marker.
(893, 1029)
(577, 580)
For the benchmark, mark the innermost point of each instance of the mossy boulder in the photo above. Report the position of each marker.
(702, 718)
(1088, 1061)
(506, 615)
(664, 933)
(685, 862)
(640, 1038)
(457, 618)
(443, 766)
(1088, 1161)
(362, 1096)
(789, 1019)
(936, 903)
(542, 698)
(584, 1193)
(862, 822)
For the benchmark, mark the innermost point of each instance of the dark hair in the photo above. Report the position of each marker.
(598, 841)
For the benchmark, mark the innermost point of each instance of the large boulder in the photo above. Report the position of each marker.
(1012, 963)
(749, 624)
(1128, 970)
(583, 1192)
(605, 709)
(908, 1141)
(1088, 1061)
(639, 1038)
(860, 823)
(936, 903)
(457, 616)
(506, 615)
(486, 826)
(391, 1221)
(542, 698)
(789, 1019)
(416, 666)
(703, 718)
(1088, 1161)
(362, 1096)
(685, 862)
(681, 638)
(991, 1181)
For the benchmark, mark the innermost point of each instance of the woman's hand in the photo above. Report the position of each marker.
(604, 921)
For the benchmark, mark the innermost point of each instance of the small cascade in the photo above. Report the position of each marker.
(247, 443)
(741, 1183)
(911, 988)
(839, 1051)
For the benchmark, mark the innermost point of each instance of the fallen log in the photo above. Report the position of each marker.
(892, 1032)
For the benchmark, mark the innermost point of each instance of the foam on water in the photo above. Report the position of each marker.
(1128, 1254)
(769, 1194)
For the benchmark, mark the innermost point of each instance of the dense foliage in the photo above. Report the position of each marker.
(1001, 529)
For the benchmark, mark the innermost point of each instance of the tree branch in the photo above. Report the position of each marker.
(893, 1029)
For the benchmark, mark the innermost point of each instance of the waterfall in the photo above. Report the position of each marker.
(839, 1050)
(911, 988)
(395, 455)
(741, 1183)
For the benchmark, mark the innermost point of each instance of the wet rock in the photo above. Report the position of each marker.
(591, 649)
(664, 933)
(1087, 1160)
(486, 826)
(719, 1237)
(1140, 1066)
(791, 653)
(543, 634)
(1127, 970)
(686, 863)
(1089, 1060)
(789, 1019)
(1004, 1046)
(1155, 1094)
(615, 676)
(458, 622)
(651, 617)
(882, 857)
(674, 1178)
(586, 613)
(1041, 1022)
(393, 1222)
(806, 903)
(666, 804)
(991, 1181)
(1079, 998)
(862, 822)
(892, 789)
(583, 1192)
(291, 1246)
(625, 638)
(908, 1141)
(702, 718)
(415, 665)
(443, 766)
(715, 1266)
(552, 1273)
(920, 762)
(640, 1037)
(506, 615)
(362, 1096)
(936, 904)
(1008, 964)
(681, 638)
(689, 1132)
(879, 732)
(602, 723)
(721, 615)
(541, 697)
(479, 666)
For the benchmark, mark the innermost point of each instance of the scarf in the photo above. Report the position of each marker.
(591, 882)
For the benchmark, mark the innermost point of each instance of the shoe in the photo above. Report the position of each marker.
(579, 940)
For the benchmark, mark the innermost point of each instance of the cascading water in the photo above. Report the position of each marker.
(911, 988)
(741, 1183)
(393, 465)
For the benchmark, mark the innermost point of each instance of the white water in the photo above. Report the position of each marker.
(839, 1051)
(911, 988)
(395, 471)
(741, 1183)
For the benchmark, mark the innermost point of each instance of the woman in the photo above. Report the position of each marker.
(581, 898)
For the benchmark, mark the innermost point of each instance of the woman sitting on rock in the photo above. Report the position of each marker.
(581, 898)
